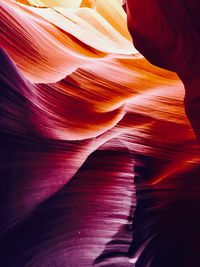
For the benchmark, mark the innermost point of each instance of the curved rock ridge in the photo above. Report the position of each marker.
(99, 164)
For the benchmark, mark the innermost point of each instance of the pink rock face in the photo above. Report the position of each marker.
(167, 33)
(99, 165)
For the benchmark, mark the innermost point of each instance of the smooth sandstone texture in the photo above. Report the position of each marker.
(86, 123)
(167, 33)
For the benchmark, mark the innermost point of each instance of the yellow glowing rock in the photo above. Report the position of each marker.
(54, 3)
